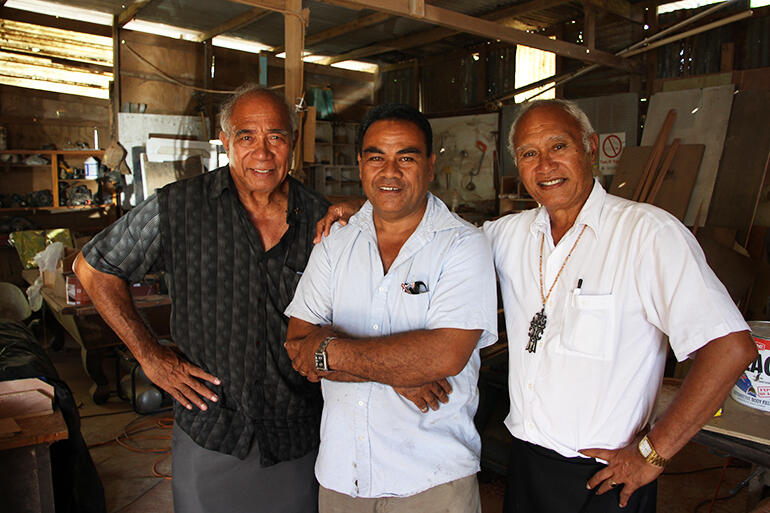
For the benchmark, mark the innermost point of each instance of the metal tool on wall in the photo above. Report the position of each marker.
(483, 148)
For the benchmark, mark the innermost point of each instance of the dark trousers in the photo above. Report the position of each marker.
(543, 481)
(211, 482)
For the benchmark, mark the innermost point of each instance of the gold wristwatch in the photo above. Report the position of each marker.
(649, 453)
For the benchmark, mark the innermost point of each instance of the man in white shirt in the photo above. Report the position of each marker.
(399, 299)
(592, 285)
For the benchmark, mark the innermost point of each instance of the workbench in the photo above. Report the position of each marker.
(26, 485)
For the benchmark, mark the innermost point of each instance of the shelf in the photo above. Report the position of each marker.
(72, 153)
(78, 179)
(53, 209)
(55, 157)
(22, 164)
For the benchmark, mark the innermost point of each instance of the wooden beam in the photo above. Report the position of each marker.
(130, 12)
(115, 93)
(340, 30)
(320, 69)
(437, 34)
(491, 30)
(589, 26)
(235, 23)
(46, 20)
(294, 31)
(272, 5)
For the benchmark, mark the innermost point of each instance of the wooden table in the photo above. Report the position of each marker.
(96, 339)
(25, 464)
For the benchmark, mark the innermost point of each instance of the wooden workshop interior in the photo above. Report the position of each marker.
(104, 101)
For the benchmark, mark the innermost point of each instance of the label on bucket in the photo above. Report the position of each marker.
(753, 387)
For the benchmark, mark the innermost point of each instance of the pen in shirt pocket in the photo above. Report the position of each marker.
(576, 291)
(415, 287)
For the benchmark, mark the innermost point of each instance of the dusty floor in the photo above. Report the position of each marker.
(129, 470)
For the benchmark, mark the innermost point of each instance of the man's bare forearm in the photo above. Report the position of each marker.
(112, 299)
(715, 370)
(404, 360)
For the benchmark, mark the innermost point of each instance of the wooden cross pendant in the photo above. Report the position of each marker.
(536, 329)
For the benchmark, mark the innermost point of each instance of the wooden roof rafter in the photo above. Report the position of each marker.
(130, 12)
(453, 20)
(504, 15)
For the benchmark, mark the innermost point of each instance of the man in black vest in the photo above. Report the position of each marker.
(233, 244)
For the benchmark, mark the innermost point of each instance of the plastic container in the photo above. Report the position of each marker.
(92, 168)
(753, 387)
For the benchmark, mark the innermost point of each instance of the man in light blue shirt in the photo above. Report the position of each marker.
(391, 309)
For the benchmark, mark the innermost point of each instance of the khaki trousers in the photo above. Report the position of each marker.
(459, 496)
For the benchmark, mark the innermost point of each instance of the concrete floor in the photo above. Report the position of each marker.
(131, 487)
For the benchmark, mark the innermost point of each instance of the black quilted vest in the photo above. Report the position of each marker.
(228, 299)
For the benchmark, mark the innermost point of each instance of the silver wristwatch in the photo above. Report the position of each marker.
(321, 360)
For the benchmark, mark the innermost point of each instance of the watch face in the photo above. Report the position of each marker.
(644, 447)
(320, 361)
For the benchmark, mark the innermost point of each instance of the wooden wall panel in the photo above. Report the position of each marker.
(35, 118)
(140, 83)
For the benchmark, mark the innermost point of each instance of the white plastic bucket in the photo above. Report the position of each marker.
(753, 387)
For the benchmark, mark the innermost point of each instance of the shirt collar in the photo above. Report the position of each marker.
(590, 214)
(222, 180)
(437, 217)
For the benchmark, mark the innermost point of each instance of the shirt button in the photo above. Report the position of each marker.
(530, 386)
(376, 326)
(361, 437)
(360, 403)
(382, 289)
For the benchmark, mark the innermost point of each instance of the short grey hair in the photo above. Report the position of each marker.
(251, 88)
(571, 108)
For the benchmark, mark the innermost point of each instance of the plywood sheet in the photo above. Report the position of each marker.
(736, 420)
(613, 113)
(677, 185)
(702, 117)
(744, 162)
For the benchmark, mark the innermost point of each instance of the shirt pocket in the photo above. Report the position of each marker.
(412, 311)
(589, 326)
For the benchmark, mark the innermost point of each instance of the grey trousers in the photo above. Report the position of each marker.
(207, 481)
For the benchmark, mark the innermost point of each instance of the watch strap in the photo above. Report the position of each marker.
(321, 360)
(650, 455)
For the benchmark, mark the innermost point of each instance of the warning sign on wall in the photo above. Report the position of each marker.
(610, 148)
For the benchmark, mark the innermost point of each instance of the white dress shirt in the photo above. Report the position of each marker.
(594, 379)
(374, 442)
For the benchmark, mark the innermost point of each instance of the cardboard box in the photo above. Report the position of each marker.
(75, 293)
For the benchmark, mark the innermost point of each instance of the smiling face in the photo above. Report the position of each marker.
(259, 144)
(553, 163)
(395, 170)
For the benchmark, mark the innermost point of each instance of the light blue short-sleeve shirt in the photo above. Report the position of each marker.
(374, 442)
